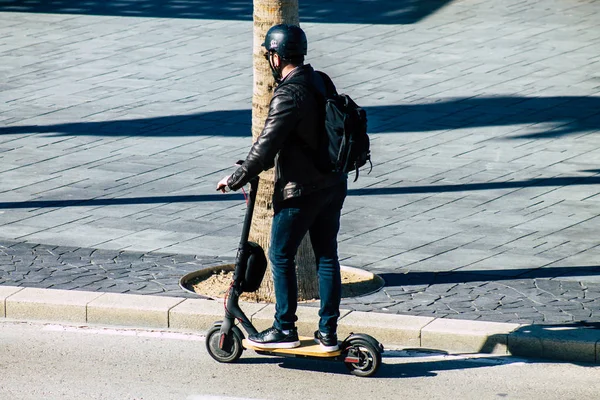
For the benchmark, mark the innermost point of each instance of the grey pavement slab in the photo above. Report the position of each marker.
(484, 117)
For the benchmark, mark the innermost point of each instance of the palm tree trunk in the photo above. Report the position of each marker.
(266, 14)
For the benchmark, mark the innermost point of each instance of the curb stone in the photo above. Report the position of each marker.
(44, 304)
(464, 336)
(567, 343)
(385, 327)
(200, 314)
(574, 343)
(6, 291)
(132, 309)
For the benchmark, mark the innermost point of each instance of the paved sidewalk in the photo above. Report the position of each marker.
(442, 295)
(483, 202)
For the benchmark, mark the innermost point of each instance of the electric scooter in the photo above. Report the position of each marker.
(225, 341)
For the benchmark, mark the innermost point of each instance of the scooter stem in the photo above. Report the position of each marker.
(232, 308)
(249, 212)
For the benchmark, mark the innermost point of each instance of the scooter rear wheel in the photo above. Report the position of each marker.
(232, 344)
(367, 357)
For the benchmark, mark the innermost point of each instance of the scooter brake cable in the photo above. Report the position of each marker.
(245, 195)
(225, 300)
(226, 296)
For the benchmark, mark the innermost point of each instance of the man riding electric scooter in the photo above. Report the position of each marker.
(306, 198)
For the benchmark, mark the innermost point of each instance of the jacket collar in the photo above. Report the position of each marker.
(301, 69)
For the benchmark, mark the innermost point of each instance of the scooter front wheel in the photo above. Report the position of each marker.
(362, 358)
(224, 348)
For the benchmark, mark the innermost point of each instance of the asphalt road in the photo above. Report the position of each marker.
(41, 361)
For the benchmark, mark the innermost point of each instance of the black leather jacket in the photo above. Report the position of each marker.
(290, 139)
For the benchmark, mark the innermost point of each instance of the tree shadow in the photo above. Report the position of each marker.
(121, 201)
(452, 277)
(320, 11)
(547, 117)
(536, 182)
(548, 182)
(544, 117)
(228, 123)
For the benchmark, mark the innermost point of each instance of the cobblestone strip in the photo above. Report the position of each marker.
(526, 301)
(71, 268)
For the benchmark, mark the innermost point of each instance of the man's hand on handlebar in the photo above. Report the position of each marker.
(222, 185)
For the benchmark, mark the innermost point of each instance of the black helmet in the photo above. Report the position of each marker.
(252, 267)
(288, 41)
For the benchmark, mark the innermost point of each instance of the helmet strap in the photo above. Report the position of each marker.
(275, 71)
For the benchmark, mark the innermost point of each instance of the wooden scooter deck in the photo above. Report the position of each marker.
(307, 347)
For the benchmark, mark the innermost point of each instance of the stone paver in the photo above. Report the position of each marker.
(483, 202)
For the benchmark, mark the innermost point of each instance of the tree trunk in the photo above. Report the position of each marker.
(266, 14)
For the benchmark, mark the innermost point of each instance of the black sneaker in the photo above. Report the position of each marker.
(273, 338)
(328, 342)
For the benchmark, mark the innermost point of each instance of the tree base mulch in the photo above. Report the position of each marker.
(217, 285)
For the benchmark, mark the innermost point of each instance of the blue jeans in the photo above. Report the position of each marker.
(318, 214)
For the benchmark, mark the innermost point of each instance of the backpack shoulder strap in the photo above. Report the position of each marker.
(329, 86)
(316, 87)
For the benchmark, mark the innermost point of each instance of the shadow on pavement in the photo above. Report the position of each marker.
(468, 187)
(542, 117)
(122, 201)
(549, 182)
(546, 182)
(437, 278)
(552, 116)
(575, 342)
(321, 11)
(230, 123)
(389, 370)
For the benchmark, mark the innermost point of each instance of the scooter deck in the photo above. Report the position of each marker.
(307, 347)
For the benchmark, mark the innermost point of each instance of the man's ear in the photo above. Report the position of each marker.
(276, 60)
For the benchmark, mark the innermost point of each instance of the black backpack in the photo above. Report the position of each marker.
(345, 145)
(348, 144)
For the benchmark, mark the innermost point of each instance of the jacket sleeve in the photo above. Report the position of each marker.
(280, 123)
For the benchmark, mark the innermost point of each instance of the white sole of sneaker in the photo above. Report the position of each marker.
(284, 345)
(327, 349)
